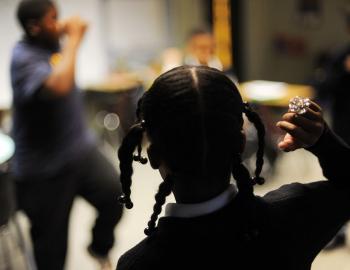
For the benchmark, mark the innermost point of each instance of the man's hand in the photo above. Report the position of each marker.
(74, 27)
(303, 130)
(61, 80)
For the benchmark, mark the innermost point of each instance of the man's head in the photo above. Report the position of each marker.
(201, 44)
(38, 19)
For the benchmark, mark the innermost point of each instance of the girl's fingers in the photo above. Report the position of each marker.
(289, 143)
(295, 131)
(315, 107)
(302, 129)
(305, 123)
(312, 114)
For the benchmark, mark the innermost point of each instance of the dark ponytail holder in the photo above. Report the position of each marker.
(147, 231)
(255, 119)
(258, 180)
(126, 201)
(137, 157)
(247, 109)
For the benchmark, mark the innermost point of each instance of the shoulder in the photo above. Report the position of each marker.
(314, 195)
(296, 192)
(23, 53)
(144, 255)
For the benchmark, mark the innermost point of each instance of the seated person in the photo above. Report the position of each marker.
(192, 117)
(201, 50)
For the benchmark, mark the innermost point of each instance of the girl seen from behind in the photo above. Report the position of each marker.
(192, 117)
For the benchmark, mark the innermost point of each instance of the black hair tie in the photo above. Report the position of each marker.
(246, 107)
(125, 201)
(147, 231)
(258, 180)
(137, 157)
(143, 125)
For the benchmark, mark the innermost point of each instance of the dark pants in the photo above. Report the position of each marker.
(47, 203)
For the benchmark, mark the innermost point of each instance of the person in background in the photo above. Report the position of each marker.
(333, 90)
(192, 117)
(201, 50)
(56, 156)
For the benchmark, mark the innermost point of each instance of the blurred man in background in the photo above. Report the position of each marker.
(201, 50)
(56, 157)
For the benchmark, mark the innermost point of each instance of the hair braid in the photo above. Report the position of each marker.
(246, 197)
(242, 177)
(256, 120)
(125, 155)
(163, 191)
(138, 107)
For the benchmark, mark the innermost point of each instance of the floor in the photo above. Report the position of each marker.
(291, 167)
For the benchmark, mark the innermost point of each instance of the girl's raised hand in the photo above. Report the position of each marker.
(303, 130)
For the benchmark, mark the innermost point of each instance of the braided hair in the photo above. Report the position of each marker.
(193, 115)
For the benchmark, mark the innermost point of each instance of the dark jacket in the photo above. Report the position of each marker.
(285, 229)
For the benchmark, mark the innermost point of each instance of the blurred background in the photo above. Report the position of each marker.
(272, 49)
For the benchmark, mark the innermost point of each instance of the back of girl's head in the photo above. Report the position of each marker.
(193, 118)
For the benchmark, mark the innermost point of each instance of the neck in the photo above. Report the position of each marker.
(41, 43)
(192, 190)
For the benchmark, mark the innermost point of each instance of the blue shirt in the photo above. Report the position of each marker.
(49, 132)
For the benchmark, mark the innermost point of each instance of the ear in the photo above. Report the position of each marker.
(33, 28)
(153, 156)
